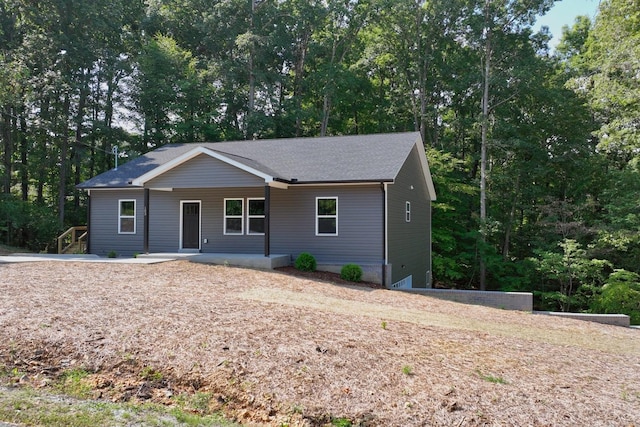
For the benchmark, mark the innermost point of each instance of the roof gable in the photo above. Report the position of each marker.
(177, 161)
(204, 171)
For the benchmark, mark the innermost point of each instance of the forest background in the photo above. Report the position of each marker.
(535, 154)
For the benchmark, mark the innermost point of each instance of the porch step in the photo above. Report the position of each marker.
(74, 248)
(74, 240)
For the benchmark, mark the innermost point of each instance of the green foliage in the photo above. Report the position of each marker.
(148, 373)
(407, 370)
(620, 295)
(453, 244)
(198, 402)
(74, 383)
(565, 272)
(341, 422)
(612, 69)
(306, 262)
(112, 254)
(28, 225)
(27, 406)
(351, 272)
(491, 378)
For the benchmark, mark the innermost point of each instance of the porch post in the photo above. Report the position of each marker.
(88, 249)
(146, 222)
(267, 205)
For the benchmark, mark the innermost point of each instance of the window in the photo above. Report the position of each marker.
(233, 216)
(407, 212)
(255, 216)
(326, 216)
(126, 217)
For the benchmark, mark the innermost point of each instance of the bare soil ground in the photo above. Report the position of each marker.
(273, 349)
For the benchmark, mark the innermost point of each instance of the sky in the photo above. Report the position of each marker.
(564, 13)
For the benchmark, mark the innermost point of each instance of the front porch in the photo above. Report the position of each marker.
(239, 260)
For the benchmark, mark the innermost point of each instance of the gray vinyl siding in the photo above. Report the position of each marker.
(103, 230)
(164, 220)
(409, 243)
(360, 224)
(293, 228)
(205, 171)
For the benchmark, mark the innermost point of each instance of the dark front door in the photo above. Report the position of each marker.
(191, 225)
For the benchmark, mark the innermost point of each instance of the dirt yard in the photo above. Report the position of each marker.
(272, 349)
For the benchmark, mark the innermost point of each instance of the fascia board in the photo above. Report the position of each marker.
(425, 169)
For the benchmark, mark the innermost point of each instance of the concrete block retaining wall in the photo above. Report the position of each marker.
(608, 319)
(522, 301)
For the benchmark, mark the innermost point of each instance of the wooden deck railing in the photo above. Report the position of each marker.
(74, 238)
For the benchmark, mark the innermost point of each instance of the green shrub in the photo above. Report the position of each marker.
(351, 272)
(306, 262)
(621, 294)
(112, 254)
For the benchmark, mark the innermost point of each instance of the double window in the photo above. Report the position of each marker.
(326, 216)
(407, 212)
(126, 217)
(234, 214)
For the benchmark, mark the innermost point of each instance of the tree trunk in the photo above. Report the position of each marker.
(252, 77)
(64, 151)
(42, 150)
(298, 78)
(77, 163)
(24, 159)
(326, 107)
(483, 144)
(7, 145)
(509, 226)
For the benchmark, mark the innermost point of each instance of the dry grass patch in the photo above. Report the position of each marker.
(268, 348)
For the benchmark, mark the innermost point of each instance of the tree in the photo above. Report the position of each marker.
(501, 21)
(568, 270)
(61, 44)
(168, 92)
(601, 59)
(620, 294)
(612, 86)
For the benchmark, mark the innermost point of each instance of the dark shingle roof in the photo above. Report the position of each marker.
(355, 158)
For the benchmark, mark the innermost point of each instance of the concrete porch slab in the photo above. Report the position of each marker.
(243, 260)
(237, 260)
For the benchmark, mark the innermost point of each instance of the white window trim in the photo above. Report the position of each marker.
(249, 216)
(121, 217)
(225, 216)
(326, 216)
(407, 212)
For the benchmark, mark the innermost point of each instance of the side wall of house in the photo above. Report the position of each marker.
(409, 242)
(103, 226)
(360, 224)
